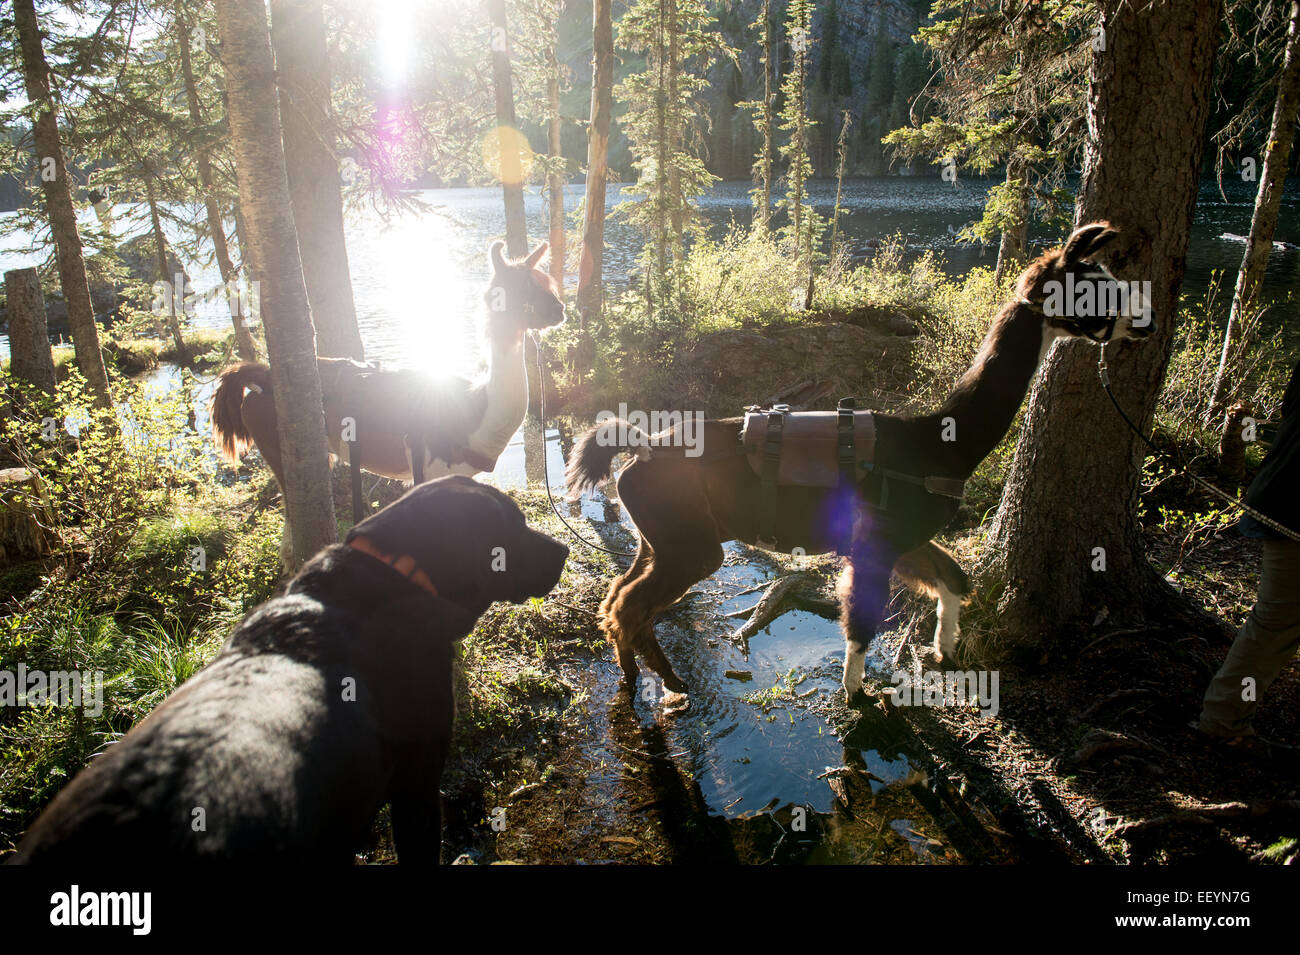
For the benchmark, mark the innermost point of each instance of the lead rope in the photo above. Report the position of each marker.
(1102, 373)
(546, 472)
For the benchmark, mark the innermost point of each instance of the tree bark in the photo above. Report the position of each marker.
(765, 209)
(244, 344)
(1268, 201)
(554, 148)
(302, 68)
(1015, 240)
(508, 135)
(29, 338)
(58, 204)
(175, 282)
(590, 269)
(273, 250)
(1073, 485)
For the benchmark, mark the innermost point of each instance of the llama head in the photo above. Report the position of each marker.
(1080, 298)
(521, 296)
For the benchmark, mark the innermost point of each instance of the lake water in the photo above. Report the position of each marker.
(418, 277)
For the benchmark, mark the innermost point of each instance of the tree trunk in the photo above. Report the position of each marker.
(244, 343)
(508, 135)
(674, 132)
(25, 513)
(273, 250)
(1069, 505)
(29, 338)
(56, 186)
(590, 269)
(765, 165)
(302, 69)
(175, 282)
(554, 149)
(1268, 200)
(1015, 240)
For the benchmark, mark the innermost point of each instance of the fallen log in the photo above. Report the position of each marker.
(783, 594)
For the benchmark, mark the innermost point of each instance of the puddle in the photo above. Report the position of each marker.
(752, 769)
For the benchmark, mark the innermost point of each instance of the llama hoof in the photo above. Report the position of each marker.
(673, 685)
(859, 699)
(675, 701)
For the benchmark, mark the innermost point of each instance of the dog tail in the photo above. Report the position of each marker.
(924, 568)
(593, 454)
(229, 432)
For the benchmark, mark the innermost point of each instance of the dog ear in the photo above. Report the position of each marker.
(496, 257)
(536, 255)
(1086, 240)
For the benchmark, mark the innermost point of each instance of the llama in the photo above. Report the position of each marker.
(404, 424)
(686, 508)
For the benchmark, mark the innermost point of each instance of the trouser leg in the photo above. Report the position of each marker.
(1265, 644)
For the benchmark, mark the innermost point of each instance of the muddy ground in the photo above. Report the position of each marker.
(1088, 760)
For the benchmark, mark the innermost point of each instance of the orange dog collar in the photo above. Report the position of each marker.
(404, 565)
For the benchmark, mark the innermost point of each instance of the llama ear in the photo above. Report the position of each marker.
(496, 257)
(1086, 240)
(536, 255)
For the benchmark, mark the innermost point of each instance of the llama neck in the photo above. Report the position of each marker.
(984, 402)
(507, 395)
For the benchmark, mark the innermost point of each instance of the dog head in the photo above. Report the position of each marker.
(521, 296)
(470, 541)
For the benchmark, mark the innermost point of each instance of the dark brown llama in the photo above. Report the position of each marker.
(685, 508)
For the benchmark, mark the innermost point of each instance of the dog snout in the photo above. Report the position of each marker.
(537, 568)
(553, 556)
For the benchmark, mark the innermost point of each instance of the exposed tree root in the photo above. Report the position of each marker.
(797, 591)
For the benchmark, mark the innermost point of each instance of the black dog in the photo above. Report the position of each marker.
(324, 704)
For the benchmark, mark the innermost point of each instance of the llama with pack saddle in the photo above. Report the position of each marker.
(874, 488)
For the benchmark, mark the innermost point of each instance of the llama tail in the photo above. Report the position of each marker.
(593, 454)
(229, 432)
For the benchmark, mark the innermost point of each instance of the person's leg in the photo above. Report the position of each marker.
(1266, 642)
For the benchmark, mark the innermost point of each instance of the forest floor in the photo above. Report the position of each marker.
(1089, 758)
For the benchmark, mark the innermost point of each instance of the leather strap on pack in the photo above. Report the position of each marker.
(767, 481)
(847, 453)
(942, 486)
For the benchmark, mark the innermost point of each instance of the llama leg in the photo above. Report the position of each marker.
(673, 571)
(864, 591)
(624, 652)
(932, 570)
(947, 628)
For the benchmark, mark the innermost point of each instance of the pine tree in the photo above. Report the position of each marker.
(663, 120)
(804, 228)
(1018, 103)
(764, 122)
